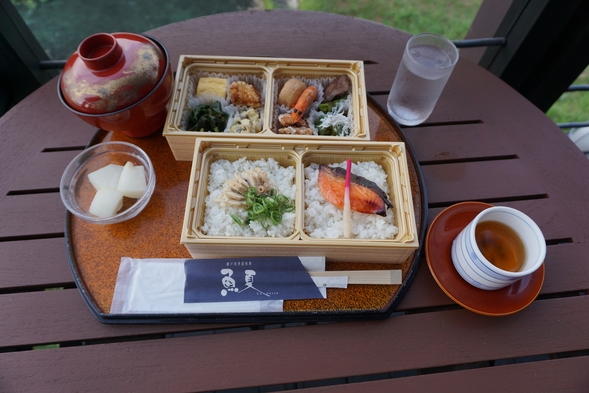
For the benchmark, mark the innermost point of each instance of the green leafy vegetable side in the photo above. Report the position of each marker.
(326, 107)
(208, 118)
(330, 130)
(267, 209)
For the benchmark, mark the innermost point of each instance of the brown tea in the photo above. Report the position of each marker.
(500, 245)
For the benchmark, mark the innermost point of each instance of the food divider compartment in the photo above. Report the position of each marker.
(390, 155)
(271, 71)
(392, 162)
(184, 99)
(321, 77)
(209, 153)
(253, 75)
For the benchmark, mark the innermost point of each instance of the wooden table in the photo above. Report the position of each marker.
(483, 142)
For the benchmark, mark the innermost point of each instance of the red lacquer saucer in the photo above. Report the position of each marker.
(438, 245)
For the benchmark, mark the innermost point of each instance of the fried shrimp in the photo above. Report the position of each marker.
(241, 93)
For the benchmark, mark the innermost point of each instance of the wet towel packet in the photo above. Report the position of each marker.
(247, 279)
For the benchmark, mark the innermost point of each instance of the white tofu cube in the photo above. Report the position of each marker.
(106, 203)
(106, 177)
(132, 183)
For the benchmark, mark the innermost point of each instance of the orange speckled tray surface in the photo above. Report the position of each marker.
(95, 250)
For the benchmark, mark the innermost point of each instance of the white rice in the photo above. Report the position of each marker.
(325, 220)
(217, 219)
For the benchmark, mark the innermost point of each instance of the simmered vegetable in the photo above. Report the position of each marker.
(291, 91)
(106, 177)
(106, 203)
(132, 183)
(112, 183)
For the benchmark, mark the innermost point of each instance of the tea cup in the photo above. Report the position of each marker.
(498, 247)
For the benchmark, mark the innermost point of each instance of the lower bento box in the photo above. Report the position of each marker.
(216, 220)
(245, 97)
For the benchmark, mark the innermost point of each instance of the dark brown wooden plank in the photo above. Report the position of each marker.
(560, 375)
(424, 292)
(34, 263)
(62, 316)
(566, 268)
(38, 122)
(42, 171)
(466, 95)
(32, 215)
(451, 142)
(310, 353)
(485, 180)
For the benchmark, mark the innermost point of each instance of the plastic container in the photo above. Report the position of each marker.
(269, 74)
(299, 154)
(77, 192)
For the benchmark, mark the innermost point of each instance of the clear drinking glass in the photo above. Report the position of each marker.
(428, 61)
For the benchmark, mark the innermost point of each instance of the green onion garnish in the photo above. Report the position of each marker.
(265, 208)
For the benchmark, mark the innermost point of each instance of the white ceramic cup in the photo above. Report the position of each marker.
(477, 270)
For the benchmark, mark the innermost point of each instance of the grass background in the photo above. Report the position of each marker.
(451, 18)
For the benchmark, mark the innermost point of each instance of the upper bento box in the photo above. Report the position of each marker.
(345, 119)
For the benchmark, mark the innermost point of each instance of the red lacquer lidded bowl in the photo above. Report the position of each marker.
(118, 82)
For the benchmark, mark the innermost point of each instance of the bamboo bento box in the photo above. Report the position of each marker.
(299, 154)
(268, 75)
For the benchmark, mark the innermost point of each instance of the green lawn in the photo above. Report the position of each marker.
(451, 18)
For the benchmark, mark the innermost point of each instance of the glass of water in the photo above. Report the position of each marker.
(426, 65)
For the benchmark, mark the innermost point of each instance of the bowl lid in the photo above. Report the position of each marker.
(110, 72)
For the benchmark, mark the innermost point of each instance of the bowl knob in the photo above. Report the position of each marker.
(100, 51)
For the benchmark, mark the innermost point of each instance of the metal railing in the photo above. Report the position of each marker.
(52, 64)
(477, 42)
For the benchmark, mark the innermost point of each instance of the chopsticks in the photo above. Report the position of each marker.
(380, 277)
(347, 209)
